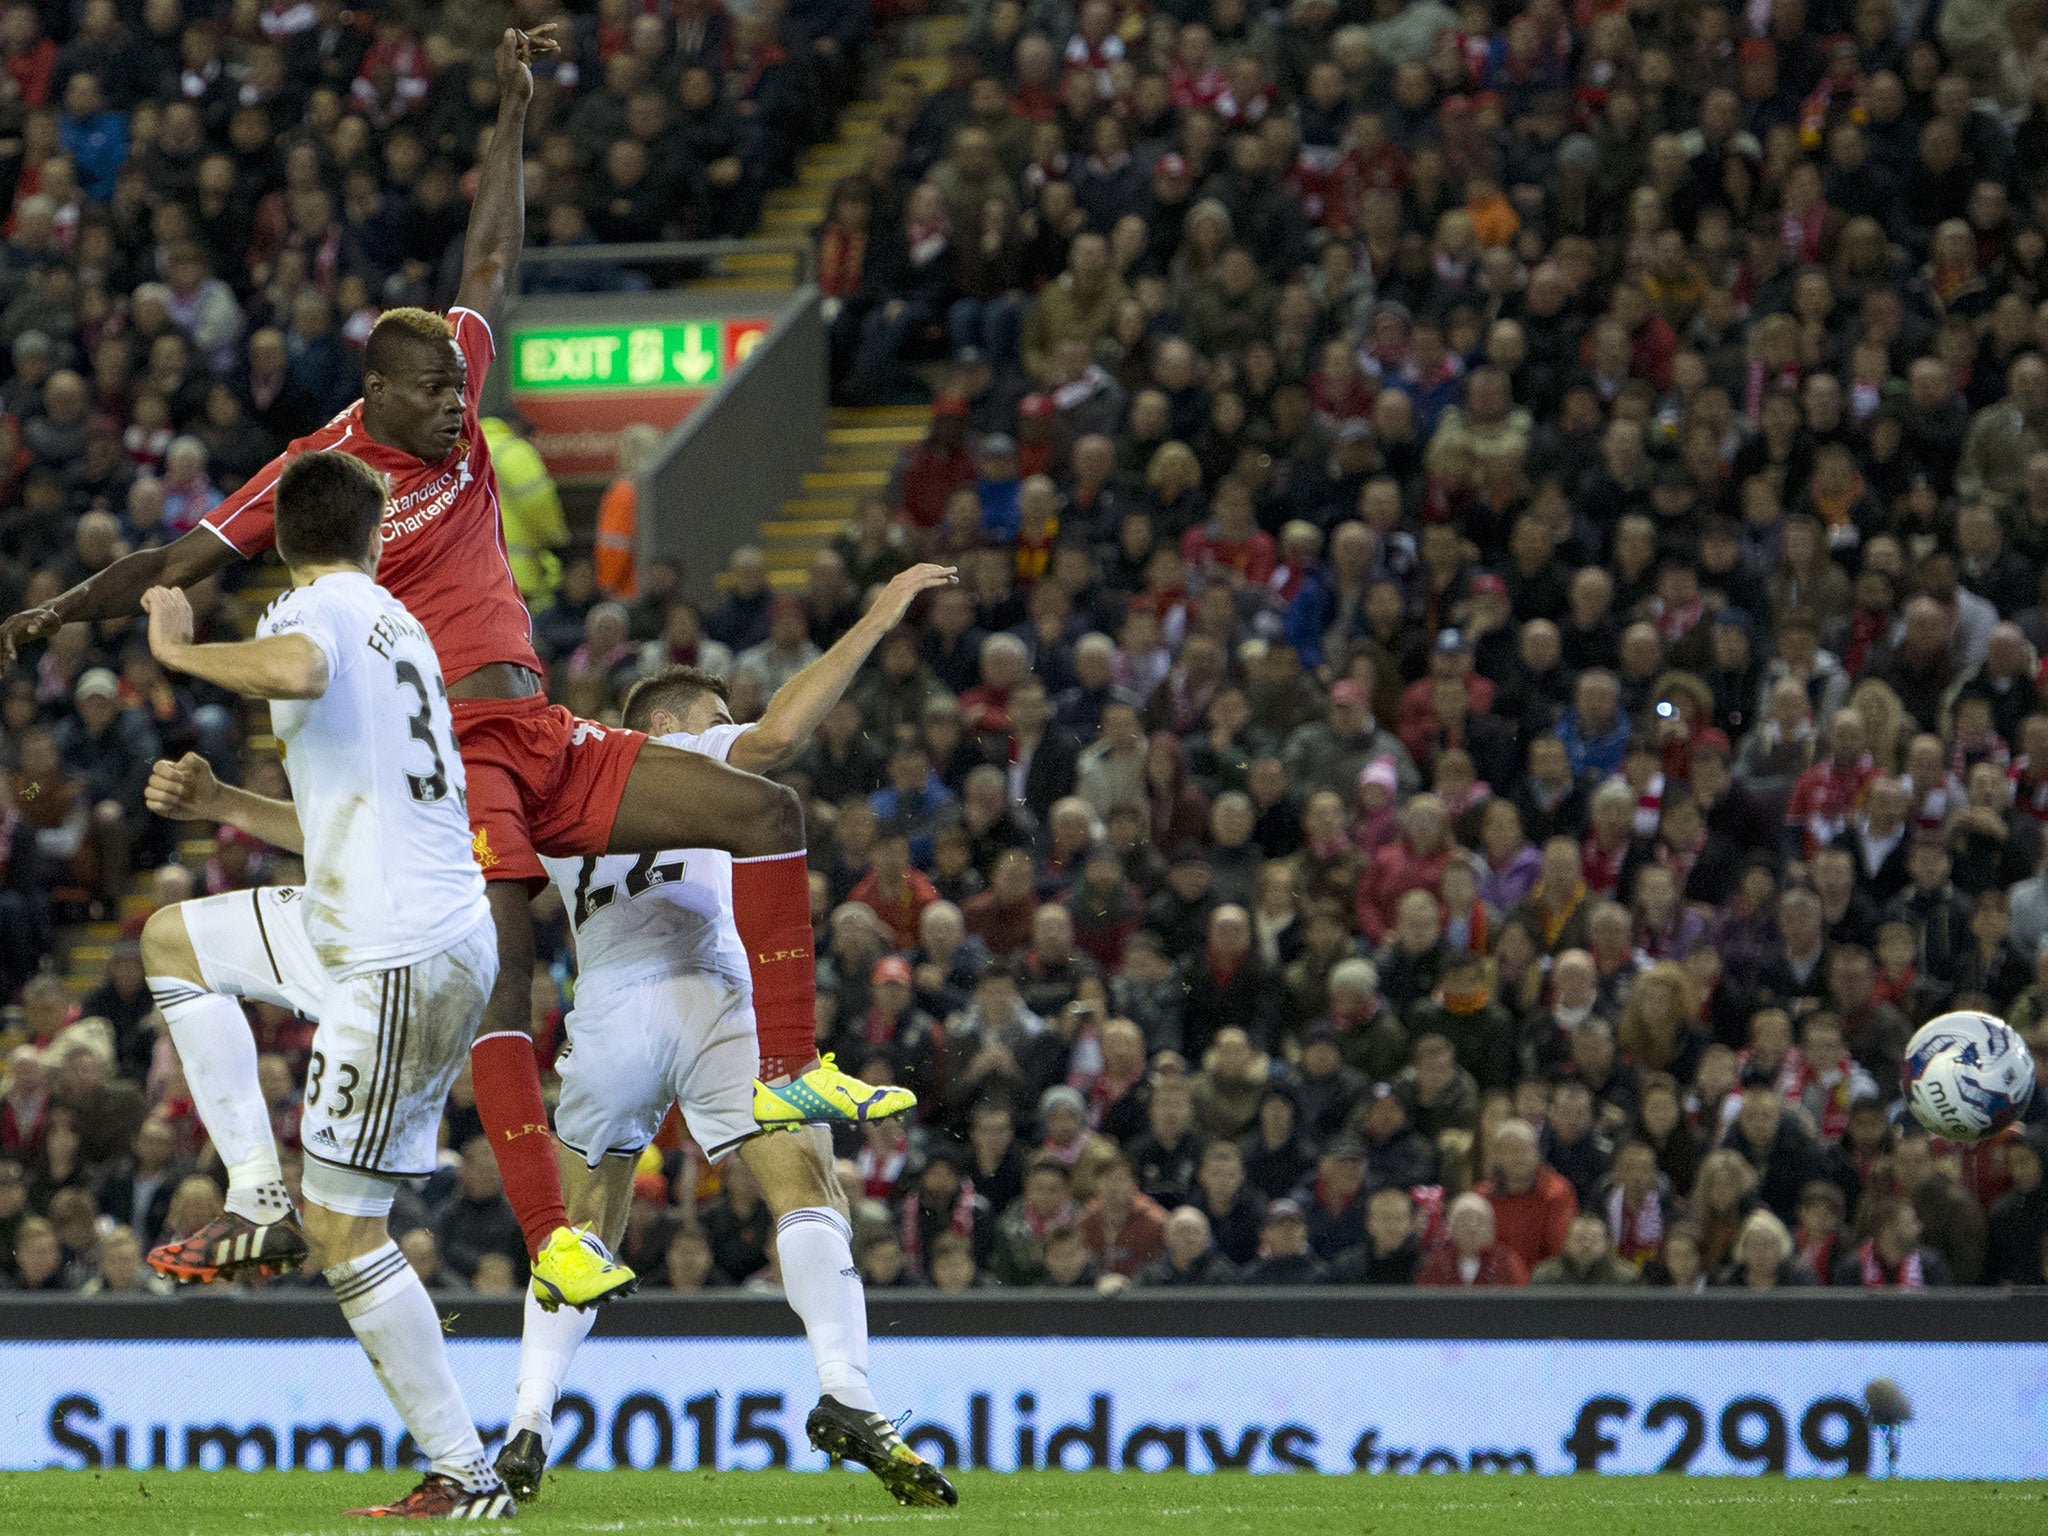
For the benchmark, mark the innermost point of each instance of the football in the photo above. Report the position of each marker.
(1967, 1075)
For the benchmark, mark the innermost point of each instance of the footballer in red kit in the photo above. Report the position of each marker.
(540, 780)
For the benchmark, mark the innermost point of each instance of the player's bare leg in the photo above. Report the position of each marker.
(256, 1232)
(390, 1313)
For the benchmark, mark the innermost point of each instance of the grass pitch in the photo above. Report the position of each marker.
(1042, 1504)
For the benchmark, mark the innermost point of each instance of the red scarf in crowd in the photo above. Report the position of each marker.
(879, 1172)
(1038, 1225)
(2029, 788)
(1826, 796)
(1798, 1076)
(1601, 867)
(1638, 1234)
(960, 1220)
(1905, 1277)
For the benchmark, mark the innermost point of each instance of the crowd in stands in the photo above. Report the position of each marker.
(1495, 680)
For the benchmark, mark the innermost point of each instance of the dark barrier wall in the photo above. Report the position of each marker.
(1934, 1317)
(729, 467)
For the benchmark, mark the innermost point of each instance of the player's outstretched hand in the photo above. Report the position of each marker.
(170, 622)
(182, 791)
(905, 587)
(29, 624)
(516, 52)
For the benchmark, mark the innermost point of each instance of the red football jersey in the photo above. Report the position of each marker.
(444, 543)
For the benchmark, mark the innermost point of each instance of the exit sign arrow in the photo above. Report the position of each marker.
(696, 361)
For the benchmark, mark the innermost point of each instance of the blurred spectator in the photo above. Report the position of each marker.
(121, 1271)
(1190, 1257)
(422, 1250)
(137, 1189)
(1891, 1258)
(478, 1220)
(1284, 1256)
(1765, 1256)
(1124, 1229)
(1588, 1258)
(530, 508)
(1469, 1254)
(1532, 1203)
(1392, 1251)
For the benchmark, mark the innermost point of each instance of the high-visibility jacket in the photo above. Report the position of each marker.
(532, 512)
(618, 521)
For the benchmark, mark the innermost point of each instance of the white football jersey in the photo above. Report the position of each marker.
(390, 878)
(655, 913)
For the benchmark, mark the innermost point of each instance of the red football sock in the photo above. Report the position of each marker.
(515, 1117)
(771, 904)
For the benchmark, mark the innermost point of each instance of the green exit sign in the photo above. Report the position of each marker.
(680, 356)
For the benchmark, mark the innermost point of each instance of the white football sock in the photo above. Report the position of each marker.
(824, 1289)
(386, 1305)
(218, 1052)
(547, 1343)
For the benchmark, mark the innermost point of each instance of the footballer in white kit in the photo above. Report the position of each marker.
(662, 1015)
(389, 945)
(663, 1008)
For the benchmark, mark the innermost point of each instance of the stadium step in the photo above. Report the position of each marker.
(882, 416)
(798, 209)
(787, 530)
(765, 264)
(840, 507)
(846, 479)
(862, 441)
(867, 456)
(895, 436)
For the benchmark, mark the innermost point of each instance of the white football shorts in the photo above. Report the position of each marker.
(388, 1044)
(637, 1046)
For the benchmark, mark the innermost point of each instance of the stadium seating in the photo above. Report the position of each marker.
(1495, 680)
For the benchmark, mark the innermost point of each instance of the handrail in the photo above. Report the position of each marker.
(655, 252)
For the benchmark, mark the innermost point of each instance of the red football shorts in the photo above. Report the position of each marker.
(540, 781)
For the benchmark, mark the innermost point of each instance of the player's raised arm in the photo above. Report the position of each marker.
(497, 219)
(801, 704)
(187, 791)
(273, 667)
(116, 592)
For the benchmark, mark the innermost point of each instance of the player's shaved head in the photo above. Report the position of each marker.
(416, 385)
(400, 332)
(673, 689)
(329, 506)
